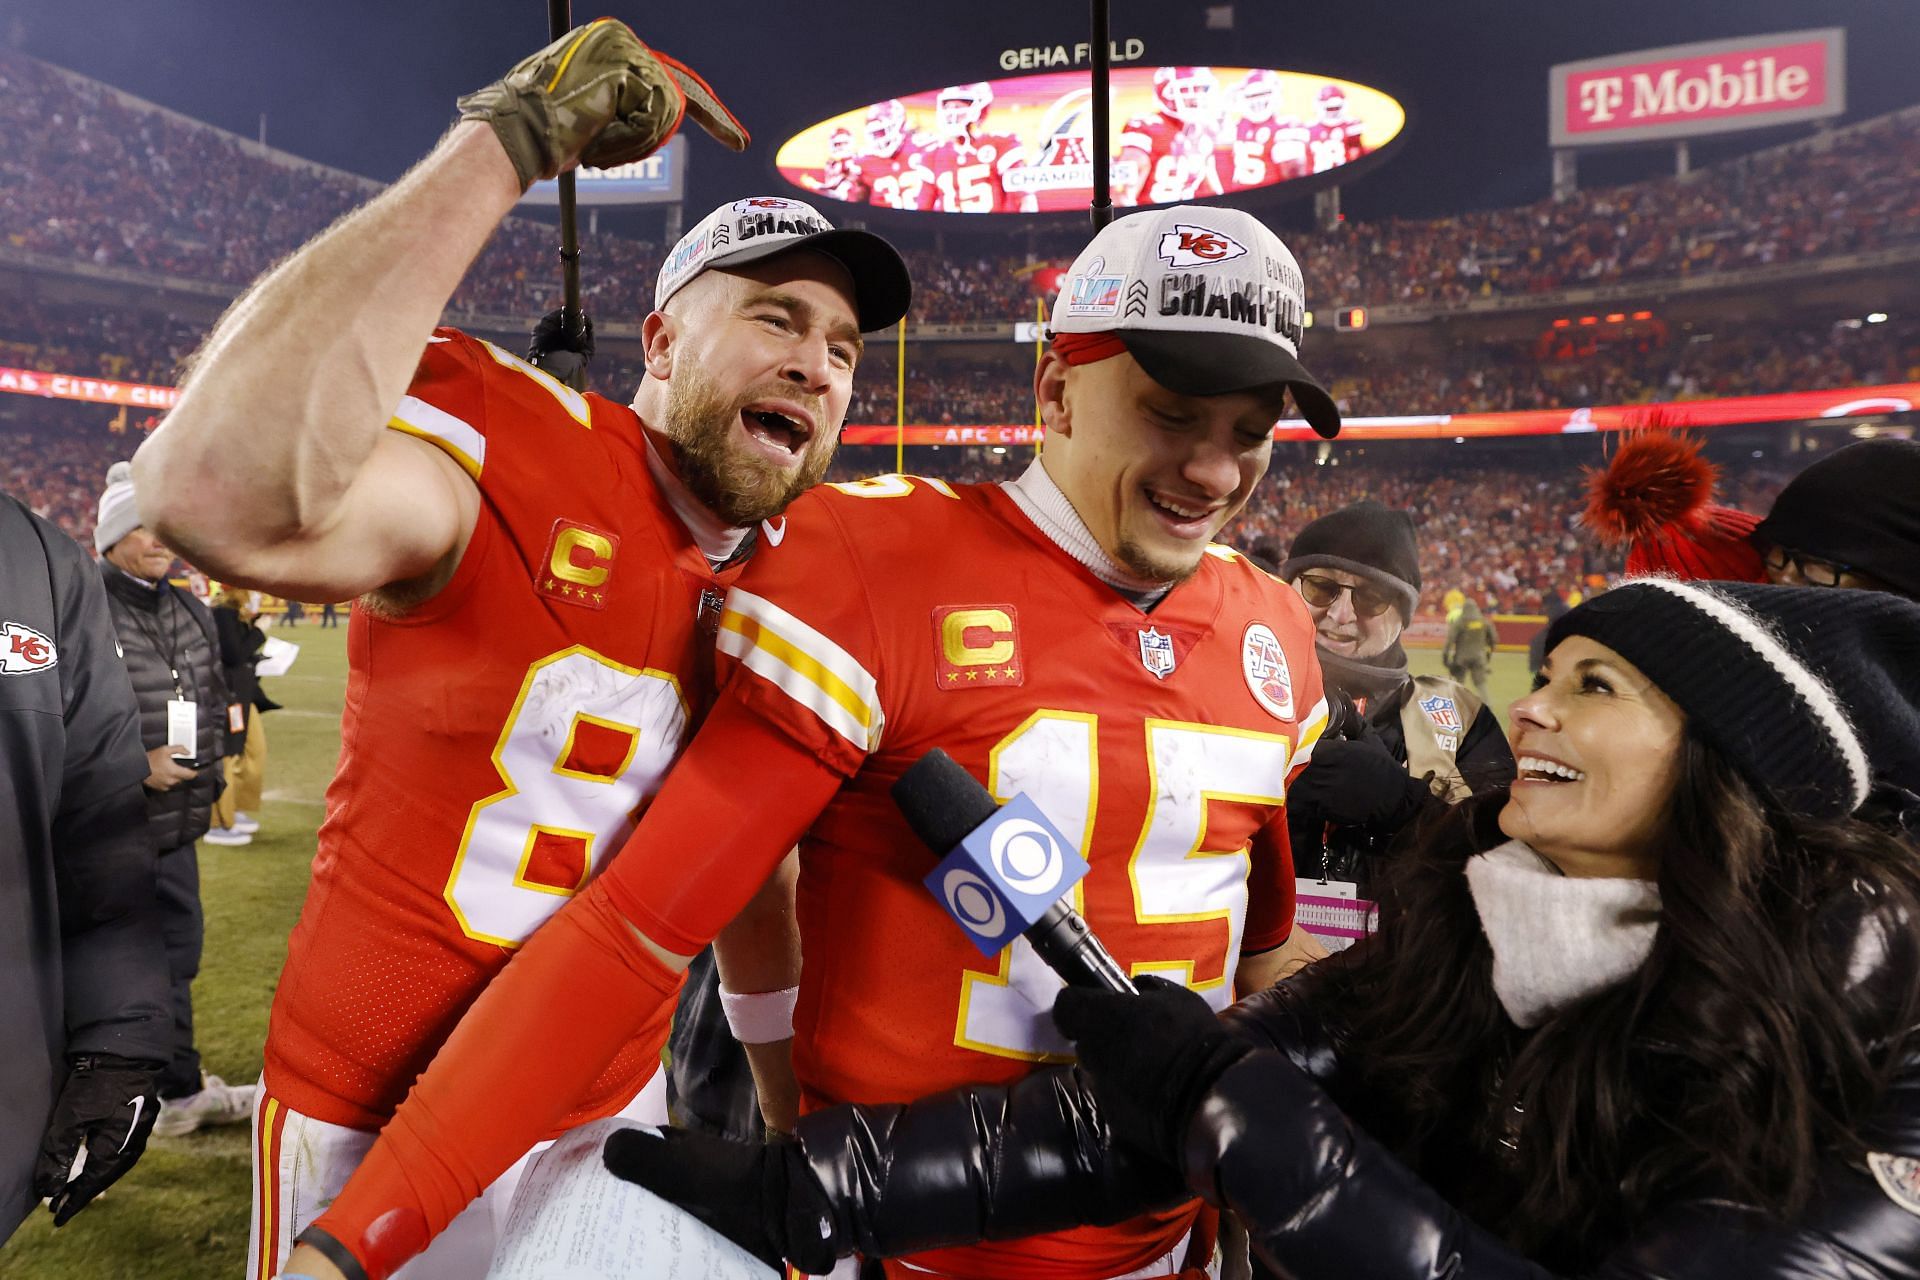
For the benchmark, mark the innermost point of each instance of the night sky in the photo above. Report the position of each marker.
(368, 85)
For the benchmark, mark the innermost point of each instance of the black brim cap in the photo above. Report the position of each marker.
(1207, 301)
(1212, 364)
(762, 227)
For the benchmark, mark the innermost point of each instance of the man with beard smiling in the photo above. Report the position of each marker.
(1403, 741)
(1074, 635)
(539, 572)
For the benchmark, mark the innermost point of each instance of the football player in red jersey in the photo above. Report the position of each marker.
(970, 166)
(893, 172)
(539, 573)
(1073, 635)
(1171, 156)
(1266, 147)
(842, 170)
(1333, 139)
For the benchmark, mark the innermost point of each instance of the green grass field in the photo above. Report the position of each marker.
(182, 1213)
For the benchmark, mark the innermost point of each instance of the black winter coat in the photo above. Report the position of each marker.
(1319, 1197)
(82, 963)
(164, 630)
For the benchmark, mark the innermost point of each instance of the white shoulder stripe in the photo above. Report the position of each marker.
(416, 417)
(1748, 627)
(805, 665)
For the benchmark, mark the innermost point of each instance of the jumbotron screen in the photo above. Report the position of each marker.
(1024, 145)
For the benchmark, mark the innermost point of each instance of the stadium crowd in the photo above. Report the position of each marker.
(98, 186)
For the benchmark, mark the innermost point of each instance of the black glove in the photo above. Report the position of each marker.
(108, 1103)
(559, 353)
(763, 1197)
(1358, 784)
(1150, 1058)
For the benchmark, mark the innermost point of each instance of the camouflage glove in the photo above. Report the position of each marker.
(596, 96)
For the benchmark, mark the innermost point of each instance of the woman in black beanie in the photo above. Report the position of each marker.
(1650, 1013)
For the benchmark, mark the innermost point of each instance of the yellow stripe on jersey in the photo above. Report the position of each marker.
(437, 427)
(565, 396)
(803, 664)
(1310, 730)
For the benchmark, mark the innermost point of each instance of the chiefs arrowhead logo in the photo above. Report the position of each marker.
(762, 202)
(1190, 246)
(23, 650)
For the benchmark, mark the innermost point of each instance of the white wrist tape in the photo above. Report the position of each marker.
(762, 1017)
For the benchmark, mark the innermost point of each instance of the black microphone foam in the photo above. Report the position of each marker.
(941, 801)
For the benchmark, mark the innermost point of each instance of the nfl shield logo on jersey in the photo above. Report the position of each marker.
(1156, 652)
(1442, 711)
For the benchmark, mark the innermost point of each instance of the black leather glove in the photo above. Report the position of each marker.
(108, 1103)
(1358, 784)
(1150, 1058)
(564, 355)
(763, 1197)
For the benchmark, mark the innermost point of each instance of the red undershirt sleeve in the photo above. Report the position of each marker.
(549, 1024)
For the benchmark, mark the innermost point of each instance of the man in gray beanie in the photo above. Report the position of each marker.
(1404, 741)
(172, 653)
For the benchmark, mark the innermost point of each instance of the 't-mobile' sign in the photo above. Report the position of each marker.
(1684, 90)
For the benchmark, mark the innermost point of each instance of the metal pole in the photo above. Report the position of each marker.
(559, 22)
(900, 401)
(1102, 207)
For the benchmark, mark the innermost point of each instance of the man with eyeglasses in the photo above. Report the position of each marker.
(1851, 519)
(1406, 741)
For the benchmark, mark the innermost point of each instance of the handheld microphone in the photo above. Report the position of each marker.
(1006, 871)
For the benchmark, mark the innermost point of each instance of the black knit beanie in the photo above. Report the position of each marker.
(1812, 692)
(1366, 538)
(1859, 507)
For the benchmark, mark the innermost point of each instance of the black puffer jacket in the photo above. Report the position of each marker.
(1319, 1197)
(163, 630)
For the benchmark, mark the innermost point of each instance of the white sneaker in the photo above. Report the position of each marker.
(217, 1103)
(244, 824)
(227, 835)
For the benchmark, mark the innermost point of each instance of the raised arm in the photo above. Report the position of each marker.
(275, 469)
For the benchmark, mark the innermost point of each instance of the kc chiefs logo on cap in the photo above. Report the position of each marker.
(976, 646)
(578, 566)
(1191, 246)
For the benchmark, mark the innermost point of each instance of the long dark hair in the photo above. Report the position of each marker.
(1763, 1026)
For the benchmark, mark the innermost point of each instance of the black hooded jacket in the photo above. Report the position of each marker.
(1273, 1141)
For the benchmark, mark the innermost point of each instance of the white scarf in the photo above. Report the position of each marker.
(1556, 938)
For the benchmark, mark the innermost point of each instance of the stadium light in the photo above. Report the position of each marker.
(1643, 315)
(1350, 319)
(1459, 439)
(999, 448)
(1876, 317)
(1615, 317)
(1562, 323)
(1589, 319)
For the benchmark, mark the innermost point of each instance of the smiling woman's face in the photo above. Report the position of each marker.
(1599, 753)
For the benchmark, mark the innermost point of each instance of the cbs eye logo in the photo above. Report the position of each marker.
(1025, 858)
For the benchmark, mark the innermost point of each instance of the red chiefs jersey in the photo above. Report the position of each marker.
(1331, 144)
(1178, 161)
(498, 741)
(1163, 740)
(1266, 151)
(970, 174)
(898, 181)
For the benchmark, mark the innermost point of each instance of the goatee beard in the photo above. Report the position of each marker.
(736, 486)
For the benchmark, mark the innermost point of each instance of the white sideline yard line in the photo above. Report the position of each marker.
(304, 712)
(292, 797)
